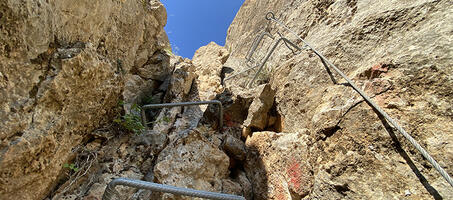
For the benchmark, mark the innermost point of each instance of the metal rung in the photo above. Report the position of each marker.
(110, 190)
(255, 44)
(253, 48)
(251, 51)
(243, 71)
(286, 41)
(168, 105)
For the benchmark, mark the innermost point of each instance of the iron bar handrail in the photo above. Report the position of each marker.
(271, 17)
(168, 105)
(110, 190)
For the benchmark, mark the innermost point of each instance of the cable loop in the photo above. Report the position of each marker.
(270, 16)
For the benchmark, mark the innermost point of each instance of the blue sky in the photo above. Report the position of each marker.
(194, 23)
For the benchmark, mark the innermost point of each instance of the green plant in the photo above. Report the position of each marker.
(120, 103)
(148, 99)
(166, 119)
(132, 120)
(151, 99)
(163, 119)
(71, 167)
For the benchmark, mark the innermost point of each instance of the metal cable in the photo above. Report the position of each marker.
(110, 190)
(251, 47)
(271, 16)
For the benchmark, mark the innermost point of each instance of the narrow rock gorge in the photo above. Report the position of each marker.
(75, 75)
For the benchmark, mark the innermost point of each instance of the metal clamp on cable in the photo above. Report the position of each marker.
(168, 105)
(286, 41)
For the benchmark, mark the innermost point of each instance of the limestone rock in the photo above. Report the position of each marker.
(65, 64)
(135, 89)
(235, 147)
(245, 185)
(208, 61)
(152, 139)
(236, 102)
(387, 49)
(62, 69)
(181, 81)
(157, 67)
(258, 114)
(97, 190)
(278, 165)
(192, 162)
(231, 187)
(179, 88)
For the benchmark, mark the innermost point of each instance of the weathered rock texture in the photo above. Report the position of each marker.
(300, 133)
(192, 162)
(258, 117)
(176, 149)
(113, 153)
(194, 157)
(276, 176)
(63, 67)
(208, 61)
(400, 53)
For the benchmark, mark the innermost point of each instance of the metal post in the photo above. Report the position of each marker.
(270, 53)
(110, 190)
(250, 53)
(167, 105)
(288, 43)
(256, 43)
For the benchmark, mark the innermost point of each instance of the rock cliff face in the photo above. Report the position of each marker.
(300, 132)
(330, 144)
(63, 68)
